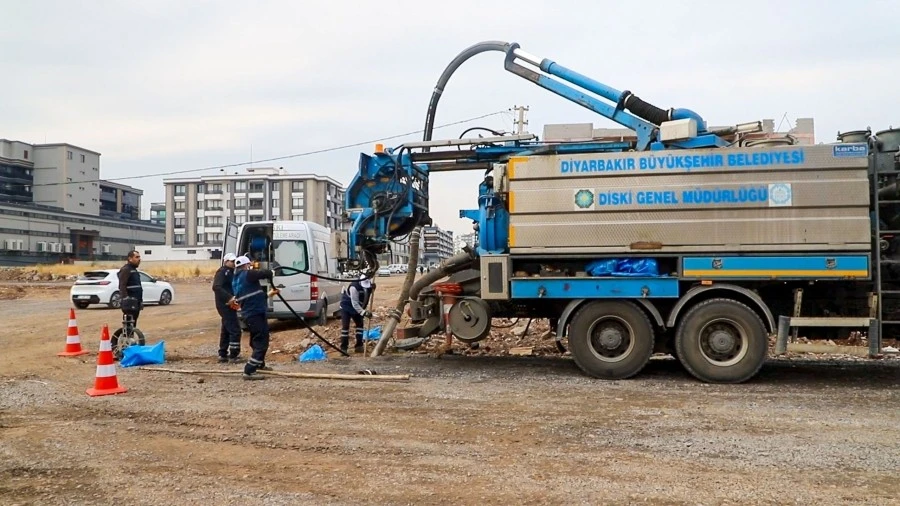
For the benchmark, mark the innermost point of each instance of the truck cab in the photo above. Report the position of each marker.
(302, 245)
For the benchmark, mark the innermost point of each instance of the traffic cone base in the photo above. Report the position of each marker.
(73, 341)
(105, 382)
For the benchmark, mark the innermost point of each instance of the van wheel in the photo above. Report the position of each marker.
(722, 341)
(611, 339)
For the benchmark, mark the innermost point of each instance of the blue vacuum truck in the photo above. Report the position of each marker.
(684, 240)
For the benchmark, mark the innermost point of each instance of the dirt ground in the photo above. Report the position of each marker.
(484, 428)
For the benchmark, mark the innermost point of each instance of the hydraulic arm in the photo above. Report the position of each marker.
(389, 196)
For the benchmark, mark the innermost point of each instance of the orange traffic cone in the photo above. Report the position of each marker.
(73, 341)
(105, 382)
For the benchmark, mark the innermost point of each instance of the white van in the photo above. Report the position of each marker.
(302, 245)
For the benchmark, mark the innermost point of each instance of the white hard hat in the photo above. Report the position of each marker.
(366, 283)
(229, 257)
(241, 260)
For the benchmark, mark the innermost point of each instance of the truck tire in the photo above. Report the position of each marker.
(611, 339)
(722, 341)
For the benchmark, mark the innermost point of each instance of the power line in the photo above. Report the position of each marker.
(297, 155)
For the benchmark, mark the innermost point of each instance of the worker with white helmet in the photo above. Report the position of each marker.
(354, 298)
(253, 301)
(230, 331)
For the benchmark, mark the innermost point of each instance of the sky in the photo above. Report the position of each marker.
(168, 86)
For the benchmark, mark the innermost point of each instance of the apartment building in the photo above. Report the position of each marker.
(158, 213)
(470, 239)
(120, 201)
(198, 208)
(437, 244)
(52, 207)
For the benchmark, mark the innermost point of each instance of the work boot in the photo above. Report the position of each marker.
(223, 360)
(234, 360)
(359, 348)
(253, 376)
(264, 368)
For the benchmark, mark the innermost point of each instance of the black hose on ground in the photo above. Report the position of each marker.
(308, 326)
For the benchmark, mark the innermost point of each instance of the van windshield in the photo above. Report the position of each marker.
(290, 253)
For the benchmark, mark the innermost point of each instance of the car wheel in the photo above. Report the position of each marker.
(115, 301)
(165, 298)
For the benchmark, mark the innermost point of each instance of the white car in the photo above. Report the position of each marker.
(102, 287)
(384, 271)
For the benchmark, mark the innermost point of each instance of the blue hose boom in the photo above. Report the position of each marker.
(389, 198)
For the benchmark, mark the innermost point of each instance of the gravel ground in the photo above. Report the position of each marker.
(463, 430)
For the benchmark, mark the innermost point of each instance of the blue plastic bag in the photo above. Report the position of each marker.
(373, 334)
(143, 355)
(623, 267)
(313, 354)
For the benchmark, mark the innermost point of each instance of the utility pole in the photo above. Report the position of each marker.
(520, 118)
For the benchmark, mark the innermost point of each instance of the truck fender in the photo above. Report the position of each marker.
(697, 290)
(575, 304)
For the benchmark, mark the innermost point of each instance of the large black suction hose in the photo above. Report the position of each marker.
(481, 47)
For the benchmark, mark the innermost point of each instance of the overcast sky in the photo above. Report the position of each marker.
(159, 86)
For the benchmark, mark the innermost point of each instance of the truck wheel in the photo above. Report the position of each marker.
(611, 339)
(722, 341)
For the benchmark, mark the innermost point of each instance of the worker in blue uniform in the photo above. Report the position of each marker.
(354, 298)
(252, 299)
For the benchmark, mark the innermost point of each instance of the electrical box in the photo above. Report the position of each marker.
(678, 129)
(495, 271)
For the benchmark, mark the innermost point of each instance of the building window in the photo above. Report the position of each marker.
(82, 158)
(26, 154)
(68, 155)
(179, 238)
(296, 186)
(213, 205)
(200, 187)
(256, 204)
(179, 206)
(214, 221)
(240, 218)
(240, 186)
(257, 187)
(214, 188)
(240, 203)
(199, 238)
(180, 189)
(275, 203)
(179, 222)
(297, 203)
(199, 221)
(275, 185)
